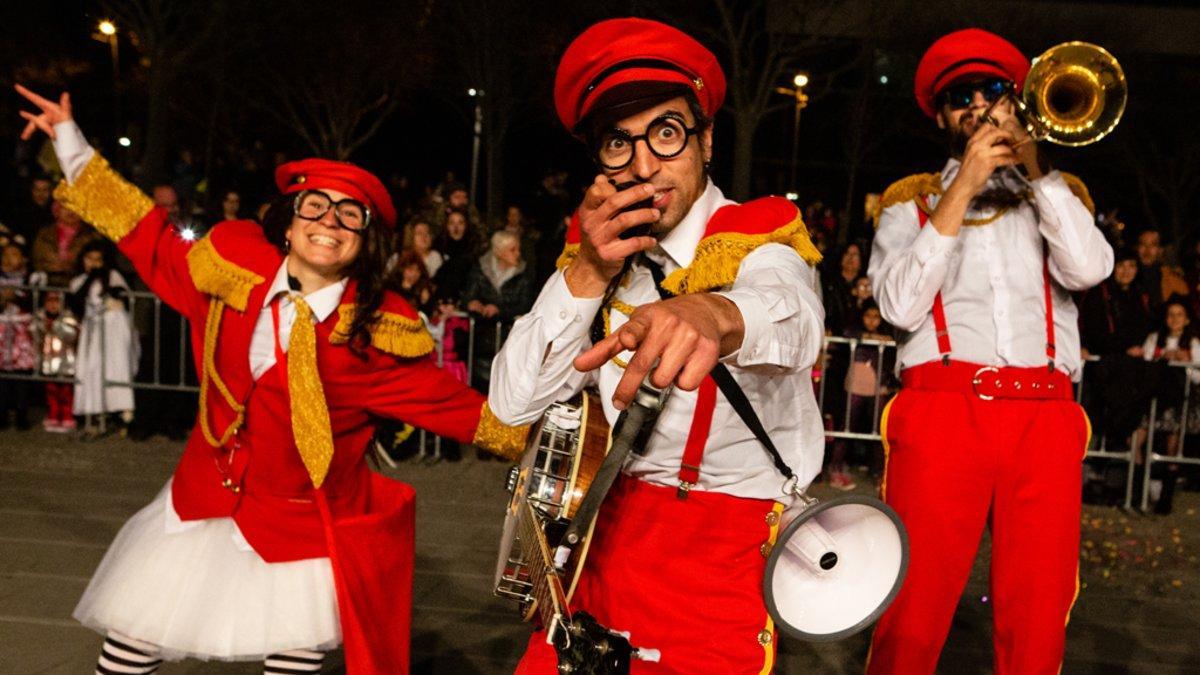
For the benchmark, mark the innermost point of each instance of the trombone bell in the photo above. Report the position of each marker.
(1074, 94)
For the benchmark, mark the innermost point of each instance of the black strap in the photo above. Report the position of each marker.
(731, 389)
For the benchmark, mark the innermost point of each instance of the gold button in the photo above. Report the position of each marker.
(772, 519)
(764, 637)
(765, 549)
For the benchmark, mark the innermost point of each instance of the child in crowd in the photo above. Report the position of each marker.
(57, 335)
(17, 353)
(100, 295)
(1175, 341)
(867, 382)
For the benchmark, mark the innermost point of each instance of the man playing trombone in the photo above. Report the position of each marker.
(975, 266)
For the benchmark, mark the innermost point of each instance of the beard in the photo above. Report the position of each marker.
(1003, 190)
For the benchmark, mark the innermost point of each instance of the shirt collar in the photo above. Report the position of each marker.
(680, 243)
(322, 302)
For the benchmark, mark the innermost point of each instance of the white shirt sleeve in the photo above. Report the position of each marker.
(909, 264)
(535, 366)
(1080, 257)
(783, 317)
(72, 149)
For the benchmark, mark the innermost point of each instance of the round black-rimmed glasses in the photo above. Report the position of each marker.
(666, 137)
(350, 214)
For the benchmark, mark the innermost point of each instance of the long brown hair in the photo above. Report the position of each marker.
(367, 269)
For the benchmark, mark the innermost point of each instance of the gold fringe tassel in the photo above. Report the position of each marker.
(392, 333)
(104, 199)
(218, 277)
(569, 253)
(718, 257)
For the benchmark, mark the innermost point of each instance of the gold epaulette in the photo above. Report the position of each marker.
(907, 189)
(1080, 190)
(218, 277)
(718, 257)
(104, 199)
(499, 438)
(569, 253)
(392, 333)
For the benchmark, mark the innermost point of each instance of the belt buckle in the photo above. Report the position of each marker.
(978, 380)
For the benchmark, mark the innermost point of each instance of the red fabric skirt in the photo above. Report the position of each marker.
(680, 576)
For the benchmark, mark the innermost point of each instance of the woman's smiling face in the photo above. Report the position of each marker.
(322, 245)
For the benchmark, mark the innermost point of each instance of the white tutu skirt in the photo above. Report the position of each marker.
(196, 593)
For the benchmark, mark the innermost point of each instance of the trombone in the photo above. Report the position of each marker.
(1074, 95)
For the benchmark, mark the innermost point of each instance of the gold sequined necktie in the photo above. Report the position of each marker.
(310, 413)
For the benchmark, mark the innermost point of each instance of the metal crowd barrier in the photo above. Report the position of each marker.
(149, 315)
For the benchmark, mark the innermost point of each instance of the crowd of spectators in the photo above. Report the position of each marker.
(462, 272)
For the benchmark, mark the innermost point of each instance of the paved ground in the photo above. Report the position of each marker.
(62, 501)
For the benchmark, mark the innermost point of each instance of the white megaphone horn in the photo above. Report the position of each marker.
(835, 566)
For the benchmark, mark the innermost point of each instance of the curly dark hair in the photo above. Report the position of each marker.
(367, 269)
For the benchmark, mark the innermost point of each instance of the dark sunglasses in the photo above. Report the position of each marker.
(960, 96)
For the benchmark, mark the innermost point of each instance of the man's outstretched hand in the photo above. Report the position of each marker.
(51, 113)
(679, 339)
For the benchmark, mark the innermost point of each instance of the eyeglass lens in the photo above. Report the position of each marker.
(961, 95)
(666, 136)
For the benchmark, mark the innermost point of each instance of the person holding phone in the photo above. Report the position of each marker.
(705, 280)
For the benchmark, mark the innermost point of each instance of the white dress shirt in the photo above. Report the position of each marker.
(262, 342)
(990, 277)
(775, 293)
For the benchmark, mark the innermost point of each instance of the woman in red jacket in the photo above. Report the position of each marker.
(272, 540)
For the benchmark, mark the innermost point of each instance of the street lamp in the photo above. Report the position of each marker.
(799, 82)
(476, 94)
(108, 33)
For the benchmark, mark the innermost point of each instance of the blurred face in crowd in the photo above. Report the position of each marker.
(509, 253)
(456, 225)
(422, 238)
(410, 275)
(12, 259)
(851, 261)
(1149, 248)
(871, 320)
(457, 199)
(39, 191)
(678, 181)
(165, 196)
(514, 220)
(1124, 272)
(68, 217)
(231, 205)
(322, 245)
(1177, 318)
(53, 303)
(92, 260)
(862, 288)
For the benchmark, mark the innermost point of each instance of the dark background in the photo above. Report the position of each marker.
(242, 85)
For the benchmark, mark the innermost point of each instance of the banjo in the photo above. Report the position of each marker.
(556, 491)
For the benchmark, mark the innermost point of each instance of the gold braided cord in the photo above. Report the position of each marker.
(968, 222)
(310, 413)
(718, 257)
(216, 276)
(569, 253)
(101, 197)
(392, 333)
(208, 373)
(622, 307)
(498, 438)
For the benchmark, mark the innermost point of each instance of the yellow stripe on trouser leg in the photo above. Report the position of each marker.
(310, 413)
(769, 628)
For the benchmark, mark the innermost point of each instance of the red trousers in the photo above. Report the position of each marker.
(955, 462)
(60, 400)
(681, 576)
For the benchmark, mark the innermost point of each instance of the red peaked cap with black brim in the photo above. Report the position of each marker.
(963, 55)
(619, 62)
(327, 174)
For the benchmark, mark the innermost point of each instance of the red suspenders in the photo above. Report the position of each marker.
(939, 312)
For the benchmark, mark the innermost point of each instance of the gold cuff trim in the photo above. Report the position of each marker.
(718, 257)
(104, 199)
(568, 255)
(392, 333)
(498, 438)
(218, 277)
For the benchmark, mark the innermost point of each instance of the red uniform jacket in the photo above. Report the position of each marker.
(241, 460)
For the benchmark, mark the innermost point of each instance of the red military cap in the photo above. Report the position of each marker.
(318, 174)
(630, 51)
(964, 54)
